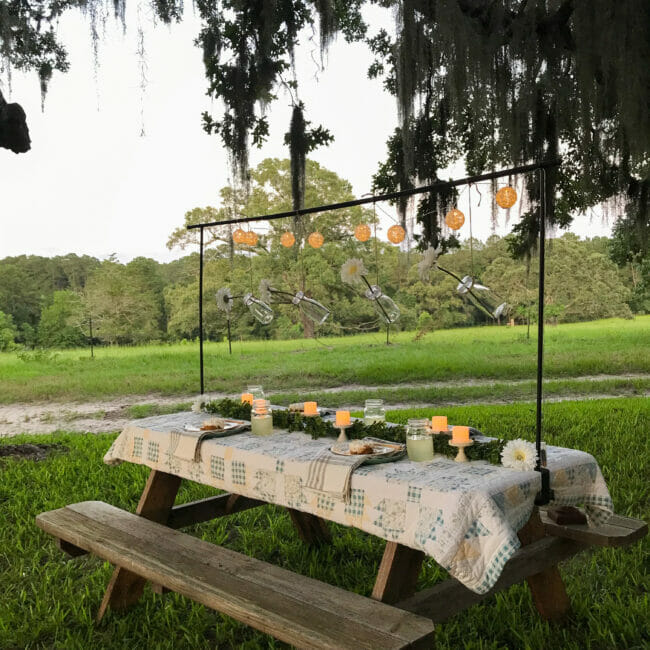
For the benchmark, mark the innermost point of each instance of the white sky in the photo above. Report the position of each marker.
(92, 185)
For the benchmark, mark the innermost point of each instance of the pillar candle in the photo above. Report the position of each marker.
(310, 408)
(247, 398)
(461, 434)
(342, 418)
(439, 423)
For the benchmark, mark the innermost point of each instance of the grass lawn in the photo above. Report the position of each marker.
(49, 602)
(500, 353)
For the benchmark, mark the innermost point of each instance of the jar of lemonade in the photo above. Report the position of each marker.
(374, 411)
(261, 418)
(419, 441)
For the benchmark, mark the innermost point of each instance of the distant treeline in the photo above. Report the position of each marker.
(56, 302)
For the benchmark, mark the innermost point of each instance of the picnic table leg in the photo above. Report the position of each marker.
(311, 529)
(547, 588)
(398, 573)
(156, 502)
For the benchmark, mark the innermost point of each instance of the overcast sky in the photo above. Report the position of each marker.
(92, 184)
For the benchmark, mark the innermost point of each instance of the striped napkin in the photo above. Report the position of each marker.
(330, 474)
(189, 446)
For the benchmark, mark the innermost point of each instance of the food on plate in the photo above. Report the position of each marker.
(358, 447)
(213, 424)
(297, 406)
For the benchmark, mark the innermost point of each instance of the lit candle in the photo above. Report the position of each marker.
(461, 434)
(310, 408)
(342, 418)
(439, 423)
(247, 398)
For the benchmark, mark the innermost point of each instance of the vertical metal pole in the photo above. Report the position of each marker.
(546, 494)
(540, 311)
(201, 309)
(229, 336)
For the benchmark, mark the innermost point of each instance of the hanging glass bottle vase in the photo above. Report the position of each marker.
(260, 310)
(311, 308)
(385, 306)
(482, 296)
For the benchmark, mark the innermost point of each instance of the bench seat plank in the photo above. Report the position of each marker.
(293, 608)
(618, 531)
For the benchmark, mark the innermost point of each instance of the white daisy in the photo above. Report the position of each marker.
(429, 261)
(224, 299)
(265, 291)
(353, 270)
(519, 454)
(197, 404)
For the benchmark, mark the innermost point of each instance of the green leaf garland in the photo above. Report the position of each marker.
(316, 427)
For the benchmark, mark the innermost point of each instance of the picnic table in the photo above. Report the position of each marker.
(477, 520)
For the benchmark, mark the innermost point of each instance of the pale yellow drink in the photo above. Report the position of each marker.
(262, 425)
(420, 448)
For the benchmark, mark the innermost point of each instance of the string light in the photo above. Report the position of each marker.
(506, 197)
(287, 239)
(396, 234)
(239, 236)
(362, 232)
(454, 219)
(251, 238)
(316, 240)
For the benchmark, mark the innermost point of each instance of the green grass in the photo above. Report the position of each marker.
(48, 602)
(601, 347)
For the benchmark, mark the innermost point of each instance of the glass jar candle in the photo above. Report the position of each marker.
(261, 418)
(419, 441)
(256, 391)
(374, 411)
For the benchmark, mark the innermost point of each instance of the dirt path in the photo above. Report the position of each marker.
(101, 416)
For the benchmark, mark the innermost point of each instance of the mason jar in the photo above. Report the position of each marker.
(261, 418)
(374, 411)
(419, 441)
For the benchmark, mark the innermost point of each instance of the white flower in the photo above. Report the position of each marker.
(224, 299)
(197, 404)
(519, 454)
(353, 270)
(429, 261)
(265, 291)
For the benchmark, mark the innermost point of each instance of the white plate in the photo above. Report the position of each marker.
(378, 449)
(230, 424)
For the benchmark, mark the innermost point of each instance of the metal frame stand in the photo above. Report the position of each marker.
(545, 494)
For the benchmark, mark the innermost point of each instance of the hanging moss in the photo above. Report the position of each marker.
(298, 154)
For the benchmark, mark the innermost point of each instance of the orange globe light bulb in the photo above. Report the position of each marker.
(239, 236)
(316, 240)
(454, 219)
(506, 197)
(396, 234)
(287, 239)
(362, 232)
(251, 238)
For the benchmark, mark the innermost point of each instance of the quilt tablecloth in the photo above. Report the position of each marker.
(464, 515)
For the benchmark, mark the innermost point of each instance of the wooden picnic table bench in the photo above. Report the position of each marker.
(299, 610)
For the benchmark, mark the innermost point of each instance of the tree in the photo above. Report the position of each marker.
(7, 332)
(496, 82)
(58, 325)
(126, 301)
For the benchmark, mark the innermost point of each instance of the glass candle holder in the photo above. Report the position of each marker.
(419, 442)
(311, 308)
(260, 310)
(374, 411)
(256, 391)
(385, 306)
(261, 418)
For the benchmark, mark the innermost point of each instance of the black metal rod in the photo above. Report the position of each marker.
(201, 310)
(433, 187)
(229, 337)
(545, 494)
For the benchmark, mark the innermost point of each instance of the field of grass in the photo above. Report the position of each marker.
(609, 347)
(49, 602)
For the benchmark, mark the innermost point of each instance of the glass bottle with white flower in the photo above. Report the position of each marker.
(353, 272)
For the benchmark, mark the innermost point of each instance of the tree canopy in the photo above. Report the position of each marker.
(494, 82)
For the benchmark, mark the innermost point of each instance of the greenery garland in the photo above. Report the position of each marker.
(316, 427)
